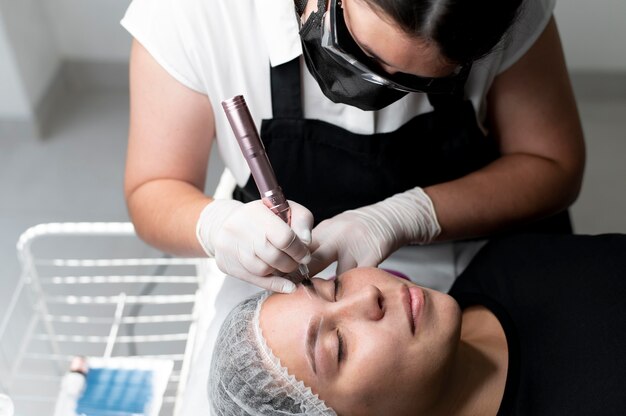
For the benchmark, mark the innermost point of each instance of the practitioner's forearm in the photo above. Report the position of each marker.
(513, 190)
(533, 116)
(165, 213)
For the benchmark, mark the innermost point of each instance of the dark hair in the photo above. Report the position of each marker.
(464, 30)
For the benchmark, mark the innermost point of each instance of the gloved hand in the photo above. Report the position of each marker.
(251, 243)
(366, 236)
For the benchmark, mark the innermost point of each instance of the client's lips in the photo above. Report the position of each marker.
(414, 305)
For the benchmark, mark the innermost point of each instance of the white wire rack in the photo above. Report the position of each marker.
(94, 289)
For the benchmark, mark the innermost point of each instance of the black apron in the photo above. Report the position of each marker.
(329, 169)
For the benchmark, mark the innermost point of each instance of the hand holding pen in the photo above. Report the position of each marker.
(264, 240)
(253, 151)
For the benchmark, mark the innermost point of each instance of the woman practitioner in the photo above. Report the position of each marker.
(534, 326)
(390, 122)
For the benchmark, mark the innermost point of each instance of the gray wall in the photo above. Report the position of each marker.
(32, 51)
(30, 60)
(13, 102)
(593, 34)
(89, 29)
(38, 36)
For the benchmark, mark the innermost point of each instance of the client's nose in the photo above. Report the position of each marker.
(365, 303)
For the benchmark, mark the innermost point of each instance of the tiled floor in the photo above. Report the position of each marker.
(76, 173)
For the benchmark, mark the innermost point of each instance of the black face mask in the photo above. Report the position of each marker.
(339, 84)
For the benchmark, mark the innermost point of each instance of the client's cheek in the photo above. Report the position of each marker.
(357, 391)
(350, 404)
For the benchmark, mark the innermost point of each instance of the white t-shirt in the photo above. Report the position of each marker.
(223, 48)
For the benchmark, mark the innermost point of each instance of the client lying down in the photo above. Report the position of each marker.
(536, 325)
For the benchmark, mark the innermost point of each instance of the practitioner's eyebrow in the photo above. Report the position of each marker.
(371, 54)
(364, 47)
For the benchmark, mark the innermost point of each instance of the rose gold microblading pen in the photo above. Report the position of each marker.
(253, 151)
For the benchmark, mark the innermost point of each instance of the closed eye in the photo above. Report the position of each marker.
(340, 347)
(337, 287)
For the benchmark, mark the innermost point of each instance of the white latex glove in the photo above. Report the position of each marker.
(366, 236)
(251, 243)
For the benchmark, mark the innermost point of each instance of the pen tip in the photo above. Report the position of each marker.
(304, 271)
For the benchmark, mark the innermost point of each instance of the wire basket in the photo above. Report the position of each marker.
(94, 289)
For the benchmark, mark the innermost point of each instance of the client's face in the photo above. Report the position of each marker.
(367, 343)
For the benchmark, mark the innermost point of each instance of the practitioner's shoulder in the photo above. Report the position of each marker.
(522, 263)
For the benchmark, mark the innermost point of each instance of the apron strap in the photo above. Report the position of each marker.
(286, 96)
(445, 101)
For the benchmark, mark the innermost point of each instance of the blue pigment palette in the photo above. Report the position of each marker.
(116, 392)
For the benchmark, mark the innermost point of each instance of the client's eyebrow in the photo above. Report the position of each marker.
(312, 335)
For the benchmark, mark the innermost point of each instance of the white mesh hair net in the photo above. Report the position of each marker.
(246, 378)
